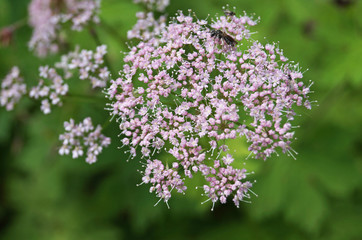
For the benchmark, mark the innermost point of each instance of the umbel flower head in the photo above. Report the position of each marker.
(194, 86)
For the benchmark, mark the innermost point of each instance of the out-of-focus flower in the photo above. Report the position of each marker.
(83, 138)
(81, 12)
(47, 18)
(192, 87)
(12, 89)
(159, 5)
(147, 26)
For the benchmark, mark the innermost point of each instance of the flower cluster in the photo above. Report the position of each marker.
(83, 138)
(188, 90)
(45, 26)
(269, 98)
(12, 89)
(163, 179)
(52, 86)
(49, 89)
(81, 12)
(159, 5)
(147, 26)
(48, 16)
(224, 181)
(89, 64)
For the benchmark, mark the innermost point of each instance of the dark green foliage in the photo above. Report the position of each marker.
(317, 196)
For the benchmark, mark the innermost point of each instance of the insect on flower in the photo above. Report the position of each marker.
(229, 13)
(222, 35)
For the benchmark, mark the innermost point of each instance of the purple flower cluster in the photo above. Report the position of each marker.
(49, 91)
(83, 138)
(269, 95)
(147, 26)
(163, 179)
(194, 86)
(224, 181)
(52, 86)
(12, 89)
(81, 12)
(90, 65)
(48, 16)
(158, 5)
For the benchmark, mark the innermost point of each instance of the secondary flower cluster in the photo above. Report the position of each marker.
(163, 179)
(147, 26)
(83, 138)
(12, 89)
(47, 17)
(50, 90)
(269, 97)
(52, 85)
(191, 88)
(90, 65)
(159, 5)
(224, 181)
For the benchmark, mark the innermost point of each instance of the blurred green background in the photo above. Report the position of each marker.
(317, 196)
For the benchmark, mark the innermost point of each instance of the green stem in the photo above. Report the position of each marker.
(18, 24)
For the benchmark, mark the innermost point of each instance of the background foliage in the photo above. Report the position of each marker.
(317, 196)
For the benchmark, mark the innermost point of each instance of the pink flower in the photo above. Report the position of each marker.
(52, 86)
(47, 17)
(83, 138)
(158, 5)
(201, 88)
(12, 89)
